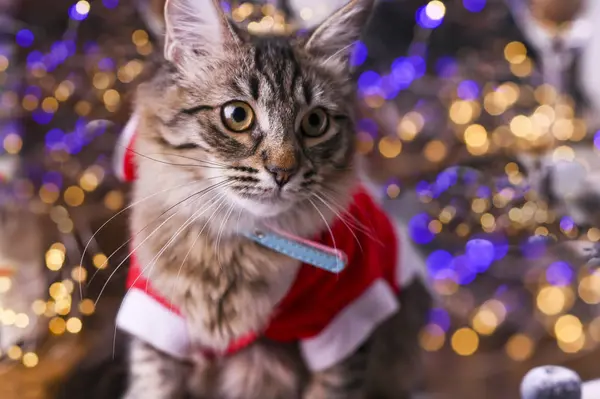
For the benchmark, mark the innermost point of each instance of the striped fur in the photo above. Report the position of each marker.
(220, 181)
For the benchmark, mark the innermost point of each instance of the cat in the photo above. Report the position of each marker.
(234, 133)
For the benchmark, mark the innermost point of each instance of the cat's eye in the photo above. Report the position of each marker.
(237, 116)
(315, 123)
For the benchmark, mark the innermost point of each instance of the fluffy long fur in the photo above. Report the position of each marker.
(224, 284)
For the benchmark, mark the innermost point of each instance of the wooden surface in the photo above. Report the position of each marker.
(58, 357)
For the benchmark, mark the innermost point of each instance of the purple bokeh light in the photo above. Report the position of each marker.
(474, 5)
(24, 38)
(438, 261)
(439, 317)
(418, 228)
(559, 273)
(425, 21)
(468, 90)
(359, 54)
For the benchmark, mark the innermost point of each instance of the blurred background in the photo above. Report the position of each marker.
(479, 119)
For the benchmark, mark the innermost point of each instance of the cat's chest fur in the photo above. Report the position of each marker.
(225, 288)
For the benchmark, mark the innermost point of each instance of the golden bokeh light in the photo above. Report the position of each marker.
(364, 146)
(594, 329)
(393, 190)
(589, 289)
(551, 300)
(8, 317)
(593, 234)
(57, 326)
(54, 259)
(87, 307)
(100, 261)
(101, 80)
(435, 151)
(139, 37)
(83, 108)
(476, 136)
(519, 347)
(30, 360)
(515, 52)
(39, 307)
(58, 291)
(79, 274)
(14, 352)
(465, 341)
(390, 147)
(12, 143)
(462, 112)
(410, 125)
(572, 347)
(484, 322)
(523, 69)
(435, 226)
(50, 105)
(568, 328)
(49, 193)
(432, 338)
(74, 325)
(545, 94)
(74, 196)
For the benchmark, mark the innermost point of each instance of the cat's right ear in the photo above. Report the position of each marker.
(195, 27)
(334, 38)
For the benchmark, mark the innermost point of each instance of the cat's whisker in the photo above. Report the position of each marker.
(210, 162)
(326, 223)
(137, 247)
(225, 166)
(203, 191)
(192, 247)
(355, 222)
(222, 196)
(237, 223)
(341, 218)
(117, 215)
(171, 163)
(129, 255)
(345, 216)
(219, 234)
(195, 216)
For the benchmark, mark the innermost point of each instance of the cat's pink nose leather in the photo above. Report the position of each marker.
(281, 175)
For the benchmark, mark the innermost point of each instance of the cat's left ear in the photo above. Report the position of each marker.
(196, 27)
(335, 37)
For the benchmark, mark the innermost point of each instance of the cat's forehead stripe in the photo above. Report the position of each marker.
(277, 66)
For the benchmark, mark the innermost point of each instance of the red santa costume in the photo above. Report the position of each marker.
(330, 315)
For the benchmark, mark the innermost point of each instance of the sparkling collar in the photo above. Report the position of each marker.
(306, 251)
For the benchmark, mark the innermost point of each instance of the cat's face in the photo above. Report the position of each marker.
(279, 126)
(270, 117)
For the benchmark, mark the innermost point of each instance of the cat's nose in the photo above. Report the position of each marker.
(281, 175)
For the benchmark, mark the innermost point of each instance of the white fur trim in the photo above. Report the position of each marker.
(123, 144)
(143, 317)
(350, 327)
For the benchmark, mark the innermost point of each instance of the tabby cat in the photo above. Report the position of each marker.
(237, 132)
